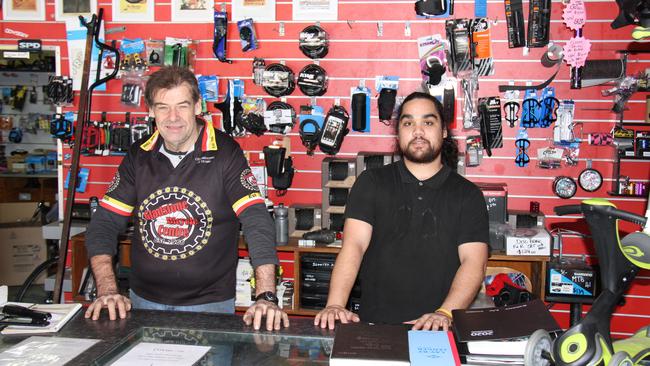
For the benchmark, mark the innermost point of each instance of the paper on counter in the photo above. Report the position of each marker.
(162, 354)
(54, 351)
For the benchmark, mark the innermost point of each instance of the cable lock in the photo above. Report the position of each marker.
(313, 42)
(312, 80)
(278, 80)
(279, 117)
(309, 139)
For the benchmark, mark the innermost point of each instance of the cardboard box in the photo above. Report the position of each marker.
(22, 249)
(529, 241)
(17, 211)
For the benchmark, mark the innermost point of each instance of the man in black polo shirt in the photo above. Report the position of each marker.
(188, 186)
(415, 231)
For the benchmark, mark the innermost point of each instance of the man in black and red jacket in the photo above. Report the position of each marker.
(188, 186)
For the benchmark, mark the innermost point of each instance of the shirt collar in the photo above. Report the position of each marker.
(207, 140)
(434, 182)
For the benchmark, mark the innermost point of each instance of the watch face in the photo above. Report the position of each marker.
(590, 180)
(564, 187)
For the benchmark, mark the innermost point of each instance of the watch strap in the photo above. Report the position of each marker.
(267, 296)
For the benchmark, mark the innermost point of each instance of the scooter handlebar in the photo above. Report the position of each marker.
(628, 216)
(568, 210)
(611, 211)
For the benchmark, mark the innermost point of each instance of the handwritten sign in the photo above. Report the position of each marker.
(576, 51)
(575, 15)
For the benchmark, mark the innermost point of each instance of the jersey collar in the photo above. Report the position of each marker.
(207, 140)
(434, 182)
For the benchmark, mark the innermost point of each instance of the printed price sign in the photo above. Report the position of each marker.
(575, 15)
(576, 51)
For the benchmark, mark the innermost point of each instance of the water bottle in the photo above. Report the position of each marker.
(281, 214)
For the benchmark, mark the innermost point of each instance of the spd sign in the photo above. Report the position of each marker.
(33, 45)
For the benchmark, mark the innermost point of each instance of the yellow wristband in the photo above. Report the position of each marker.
(444, 312)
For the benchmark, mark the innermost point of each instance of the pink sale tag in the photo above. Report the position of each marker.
(574, 14)
(576, 51)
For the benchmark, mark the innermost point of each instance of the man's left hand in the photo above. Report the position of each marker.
(275, 317)
(431, 321)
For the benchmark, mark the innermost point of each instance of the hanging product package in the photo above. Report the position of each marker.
(360, 107)
(247, 35)
(515, 22)
(155, 52)
(334, 130)
(459, 45)
(312, 80)
(220, 36)
(279, 117)
(134, 57)
(278, 80)
(433, 59)
(313, 42)
(490, 117)
(252, 115)
(386, 86)
(539, 23)
(311, 119)
(481, 47)
(132, 88)
(209, 87)
(433, 8)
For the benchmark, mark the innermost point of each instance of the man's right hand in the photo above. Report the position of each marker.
(111, 302)
(328, 316)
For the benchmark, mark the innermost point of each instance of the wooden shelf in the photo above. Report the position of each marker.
(634, 158)
(627, 195)
(27, 175)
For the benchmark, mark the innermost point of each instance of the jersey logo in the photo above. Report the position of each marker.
(114, 183)
(175, 223)
(248, 180)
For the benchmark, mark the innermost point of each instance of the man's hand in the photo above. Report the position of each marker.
(110, 301)
(328, 316)
(431, 321)
(275, 317)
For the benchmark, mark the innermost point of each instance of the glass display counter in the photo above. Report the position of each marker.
(225, 348)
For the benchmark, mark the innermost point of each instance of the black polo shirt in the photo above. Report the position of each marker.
(417, 227)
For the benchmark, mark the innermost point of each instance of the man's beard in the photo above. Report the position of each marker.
(421, 156)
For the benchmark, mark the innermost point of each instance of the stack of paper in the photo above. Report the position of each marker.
(61, 314)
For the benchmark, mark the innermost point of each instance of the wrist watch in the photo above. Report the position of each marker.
(267, 296)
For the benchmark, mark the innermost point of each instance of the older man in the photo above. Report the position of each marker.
(188, 186)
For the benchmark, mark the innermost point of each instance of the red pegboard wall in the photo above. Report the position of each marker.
(358, 53)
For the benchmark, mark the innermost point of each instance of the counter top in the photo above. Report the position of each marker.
(112, 333)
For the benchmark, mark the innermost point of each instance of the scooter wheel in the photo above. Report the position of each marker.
(538, 349)
(620, 358)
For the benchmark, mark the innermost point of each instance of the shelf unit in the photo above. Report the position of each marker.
(19, 185)
(534, 267)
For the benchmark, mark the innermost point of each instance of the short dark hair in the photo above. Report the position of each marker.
(449, 153)
(169, 77)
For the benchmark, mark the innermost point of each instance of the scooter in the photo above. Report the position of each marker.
(588, 342)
